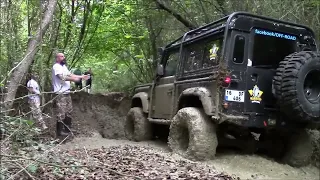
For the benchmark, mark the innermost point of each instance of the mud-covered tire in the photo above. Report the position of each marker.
(137, 127)
(273, 144)
(299, 149)
(290, 87)
(193, 135)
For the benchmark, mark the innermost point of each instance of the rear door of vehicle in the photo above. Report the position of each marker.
(267, 49)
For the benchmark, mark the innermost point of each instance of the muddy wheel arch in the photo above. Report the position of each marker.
(141, 100)
(204, 96)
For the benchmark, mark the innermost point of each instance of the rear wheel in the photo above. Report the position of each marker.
(193, 135)
(137, 127)
(297, 86)
(299, 149)
(273, 144)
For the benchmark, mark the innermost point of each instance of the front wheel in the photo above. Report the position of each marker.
(193, 135)
(137, 127)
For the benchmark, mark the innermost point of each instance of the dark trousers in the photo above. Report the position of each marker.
(88, 83)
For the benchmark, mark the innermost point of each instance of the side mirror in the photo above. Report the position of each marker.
(160, 70)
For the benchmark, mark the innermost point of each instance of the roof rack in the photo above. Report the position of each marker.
(201, 30)
(241, 13)
(225, 23)
(177, 41)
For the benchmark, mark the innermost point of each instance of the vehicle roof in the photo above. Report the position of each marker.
(243, 21)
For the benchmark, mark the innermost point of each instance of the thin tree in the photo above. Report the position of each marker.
(17, 74)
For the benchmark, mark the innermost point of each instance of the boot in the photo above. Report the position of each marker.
(68, 123)
(60, 131)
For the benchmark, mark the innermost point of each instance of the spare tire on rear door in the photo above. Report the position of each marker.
(297, 86)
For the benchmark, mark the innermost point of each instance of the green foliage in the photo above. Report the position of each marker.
(21, 131)
(119, 39)
(120, 48)
(32, 168)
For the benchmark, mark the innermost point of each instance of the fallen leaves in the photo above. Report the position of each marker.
(119, 162)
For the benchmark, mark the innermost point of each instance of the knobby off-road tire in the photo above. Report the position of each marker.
(137, 127)
(193, 135)
(299, 149)
(297, 86)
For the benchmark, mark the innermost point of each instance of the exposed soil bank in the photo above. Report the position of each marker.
(100, 113)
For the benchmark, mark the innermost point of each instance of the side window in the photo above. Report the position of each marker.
(171, 64)
(202, 55)
(193, 58)
(238, 49)
(212, 53)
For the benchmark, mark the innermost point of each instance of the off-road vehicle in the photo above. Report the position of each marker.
(243, 80)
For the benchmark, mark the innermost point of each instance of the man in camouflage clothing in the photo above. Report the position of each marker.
(61, 78)
(34, 100)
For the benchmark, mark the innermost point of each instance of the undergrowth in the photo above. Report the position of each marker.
(20, 140)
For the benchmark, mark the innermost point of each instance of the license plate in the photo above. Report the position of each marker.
(233, 95)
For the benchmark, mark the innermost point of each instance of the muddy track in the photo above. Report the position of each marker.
(99, 121)
(230, 162)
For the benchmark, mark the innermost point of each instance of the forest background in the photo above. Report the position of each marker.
(117, 39)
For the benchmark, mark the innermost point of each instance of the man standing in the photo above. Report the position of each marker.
(61, 78)
(34, 100)
(89, 81)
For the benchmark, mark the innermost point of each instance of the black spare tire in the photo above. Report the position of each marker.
(297, 86)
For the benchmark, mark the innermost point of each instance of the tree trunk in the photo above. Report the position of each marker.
(22, 68)
(184, 21)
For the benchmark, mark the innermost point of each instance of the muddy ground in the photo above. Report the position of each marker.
(99, 121)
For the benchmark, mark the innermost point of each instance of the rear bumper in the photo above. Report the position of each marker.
(253, 120)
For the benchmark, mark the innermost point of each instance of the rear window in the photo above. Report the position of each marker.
(270, 47)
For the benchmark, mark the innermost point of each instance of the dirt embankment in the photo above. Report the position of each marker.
(98, 113)
(102, 113)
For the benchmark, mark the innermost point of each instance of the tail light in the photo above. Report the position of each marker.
(226, 81)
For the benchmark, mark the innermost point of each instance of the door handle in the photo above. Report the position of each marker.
(254, 77)
(169, 92)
